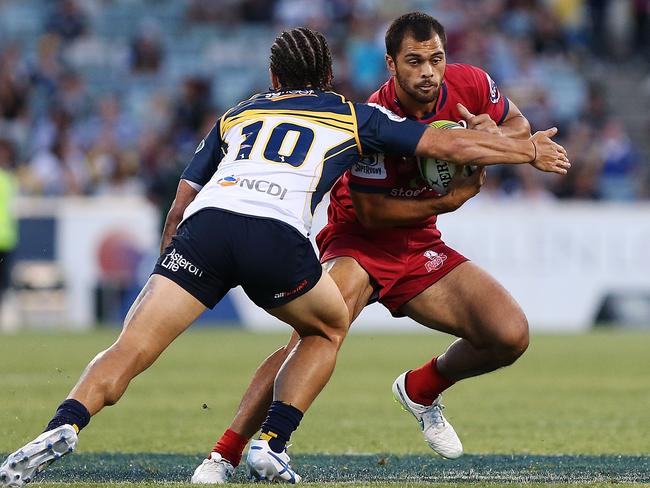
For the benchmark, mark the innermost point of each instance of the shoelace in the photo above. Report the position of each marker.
(434, 414)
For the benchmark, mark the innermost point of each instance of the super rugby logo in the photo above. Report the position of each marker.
(174, 261)
(494, 91)
(370, 167)
(260, 186)
(436, 260)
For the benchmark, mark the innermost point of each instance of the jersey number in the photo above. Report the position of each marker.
(288, 143)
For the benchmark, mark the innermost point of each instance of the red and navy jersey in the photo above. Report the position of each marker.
(398, 176)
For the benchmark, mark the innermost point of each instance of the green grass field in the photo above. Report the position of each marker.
(584, 396)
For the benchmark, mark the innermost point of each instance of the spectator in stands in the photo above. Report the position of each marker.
(538, 52)
(191, 108)
(621, 172)
(586, 160)
(641, 39)
(147, 50)
(58, 171)
(67, 21)
(72, 95)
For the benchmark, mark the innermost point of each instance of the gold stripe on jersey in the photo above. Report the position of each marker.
(356, 127)
(343, 100)
(349, 144)
(346, 123)
(341, 151)
(291, 95)
(337, 124)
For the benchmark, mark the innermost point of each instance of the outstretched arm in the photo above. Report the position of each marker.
(483, 149)
(382, 131)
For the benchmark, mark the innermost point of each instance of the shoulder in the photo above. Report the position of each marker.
(464, 74)
(465, 79)
(243, 106)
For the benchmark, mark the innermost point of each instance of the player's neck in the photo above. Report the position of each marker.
(411, 106)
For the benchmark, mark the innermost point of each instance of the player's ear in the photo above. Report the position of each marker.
(275, 83)
(390, 65)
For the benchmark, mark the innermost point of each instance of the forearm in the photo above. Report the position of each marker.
(174, 217)
(392, 212)
(184, 196)
(474, 147)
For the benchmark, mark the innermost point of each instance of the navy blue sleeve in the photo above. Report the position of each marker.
(382, 131)
(206, 158)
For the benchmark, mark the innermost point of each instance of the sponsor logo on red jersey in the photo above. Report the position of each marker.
(370, 167)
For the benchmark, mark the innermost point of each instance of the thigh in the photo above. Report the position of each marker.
(353, 281)
(427, 263)
(380, 257)
(467, 302)
(160, 313)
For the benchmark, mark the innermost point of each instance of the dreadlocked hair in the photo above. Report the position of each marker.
(300, 58)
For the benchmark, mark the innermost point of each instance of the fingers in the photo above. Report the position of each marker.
(561, 165)
(464, 113)
(482, 122)
(552, 157)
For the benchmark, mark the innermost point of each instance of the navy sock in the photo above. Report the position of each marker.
(70, 412)
(280, 423)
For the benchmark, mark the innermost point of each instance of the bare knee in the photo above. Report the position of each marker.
(505, 340)
(512, 341)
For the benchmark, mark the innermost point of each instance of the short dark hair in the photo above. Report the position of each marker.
(417, 24)
(301, 58)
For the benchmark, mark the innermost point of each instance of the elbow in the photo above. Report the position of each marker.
(174, 216)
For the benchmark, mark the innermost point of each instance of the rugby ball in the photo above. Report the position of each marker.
(437, 173)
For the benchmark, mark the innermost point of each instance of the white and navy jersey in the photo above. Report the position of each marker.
(277, 154)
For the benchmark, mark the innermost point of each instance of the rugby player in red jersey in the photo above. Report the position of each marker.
(381, 242)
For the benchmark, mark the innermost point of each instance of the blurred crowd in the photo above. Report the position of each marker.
(111, 96)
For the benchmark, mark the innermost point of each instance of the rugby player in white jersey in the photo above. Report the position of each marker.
(274, 158)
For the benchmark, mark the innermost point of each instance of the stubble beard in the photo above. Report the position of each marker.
(413, 93)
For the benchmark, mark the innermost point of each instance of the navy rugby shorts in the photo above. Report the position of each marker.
(215, 250)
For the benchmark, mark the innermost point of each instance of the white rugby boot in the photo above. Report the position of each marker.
(437, 431)
(21, 466)
(213, 471)
(264, 464)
